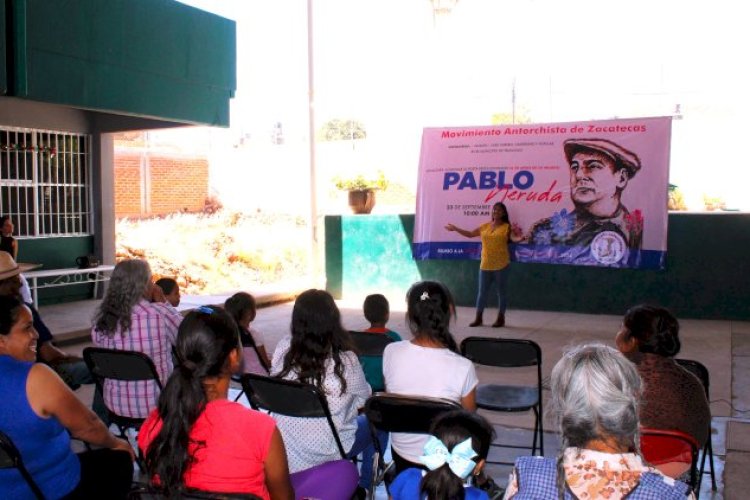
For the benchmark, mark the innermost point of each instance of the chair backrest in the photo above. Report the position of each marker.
(659, 446)
(505, 353)
(151, 493)
(119, 365)
(400, 413)
(370, 344)
(696, 368)
(290, 398)
(10, 458)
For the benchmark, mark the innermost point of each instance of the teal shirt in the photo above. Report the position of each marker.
(373, 365)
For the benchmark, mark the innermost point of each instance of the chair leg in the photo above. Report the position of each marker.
(541, 430)
(536, 431)
(374, 475)
(710, 449)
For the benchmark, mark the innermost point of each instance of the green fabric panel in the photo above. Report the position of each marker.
(334, 245)
(706, 275)
(58, 253)
(3, 48)
(376, 254)
(152, 58)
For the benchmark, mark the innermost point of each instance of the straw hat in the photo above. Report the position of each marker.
(9, 268)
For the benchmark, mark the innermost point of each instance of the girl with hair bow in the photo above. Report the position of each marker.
(454, 457)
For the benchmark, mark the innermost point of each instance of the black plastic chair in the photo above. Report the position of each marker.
(509, 353)
(115, 364)
(400, 413)
(10, 458)
(369, 348)
(370, 344)
(151, 493)
(290, 398)
(699, 370)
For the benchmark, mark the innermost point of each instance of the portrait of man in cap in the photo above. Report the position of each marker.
(600, 229)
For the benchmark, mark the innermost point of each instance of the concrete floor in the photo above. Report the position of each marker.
(723, 346)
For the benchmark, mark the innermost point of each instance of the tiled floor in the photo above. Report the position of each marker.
(722, 345)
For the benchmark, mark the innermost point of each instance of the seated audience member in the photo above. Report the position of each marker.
(40, 413)
(134, 316)
(454, 455)
(71, 369)
(9, 244)
(241, 307)
(594, 402)
(171, 290)
(196, 438)
(672, 398)
(319, 352)
(377, 312)
(429, 364)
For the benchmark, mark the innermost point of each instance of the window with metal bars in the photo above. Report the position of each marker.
(45, 182)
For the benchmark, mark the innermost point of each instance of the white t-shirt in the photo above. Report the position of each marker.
(424, 371)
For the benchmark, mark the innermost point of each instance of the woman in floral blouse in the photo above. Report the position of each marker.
(595, 393)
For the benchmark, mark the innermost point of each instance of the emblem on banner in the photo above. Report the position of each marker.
(608, 247)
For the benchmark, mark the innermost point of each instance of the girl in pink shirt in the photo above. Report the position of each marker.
(197, 438)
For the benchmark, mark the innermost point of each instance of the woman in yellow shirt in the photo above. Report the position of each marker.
(495, 262)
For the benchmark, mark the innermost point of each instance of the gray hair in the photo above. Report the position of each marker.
(595, 393)
(128, 284)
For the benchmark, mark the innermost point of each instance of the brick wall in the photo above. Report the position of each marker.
(177, 183)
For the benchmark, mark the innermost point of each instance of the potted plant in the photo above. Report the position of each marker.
(361, 190)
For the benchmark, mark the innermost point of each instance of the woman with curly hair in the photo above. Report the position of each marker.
(319, 352)
(134, 316)
(427, 365)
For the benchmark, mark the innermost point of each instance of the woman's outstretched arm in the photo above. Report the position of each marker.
(463, 232)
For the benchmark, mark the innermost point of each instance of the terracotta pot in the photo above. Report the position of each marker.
(361, 202)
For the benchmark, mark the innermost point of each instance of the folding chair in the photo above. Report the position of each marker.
(370, 344)
(660, 447)
(290, 398)
(699, 370)
(10, 458)
(399, 413)
(151, 493)
(115, 364)
(370, 347)
(509, 353)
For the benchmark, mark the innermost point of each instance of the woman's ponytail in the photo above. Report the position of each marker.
(205, 339)
(430, 308)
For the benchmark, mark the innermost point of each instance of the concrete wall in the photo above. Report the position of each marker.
(706, 275)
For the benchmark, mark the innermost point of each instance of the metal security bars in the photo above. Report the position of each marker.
(45, 182)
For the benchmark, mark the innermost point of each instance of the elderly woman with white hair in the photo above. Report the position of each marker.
(595, 393)
(134, 316)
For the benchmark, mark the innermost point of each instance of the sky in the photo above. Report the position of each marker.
(396, 68)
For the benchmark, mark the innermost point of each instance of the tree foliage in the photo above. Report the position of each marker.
(342, 130)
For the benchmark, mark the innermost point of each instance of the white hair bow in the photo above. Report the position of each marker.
(459, 459)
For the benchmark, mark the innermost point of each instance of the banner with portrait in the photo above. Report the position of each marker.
(582, 193)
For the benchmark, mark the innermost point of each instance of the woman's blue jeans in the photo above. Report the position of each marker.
(363, 444)
(500, 278)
